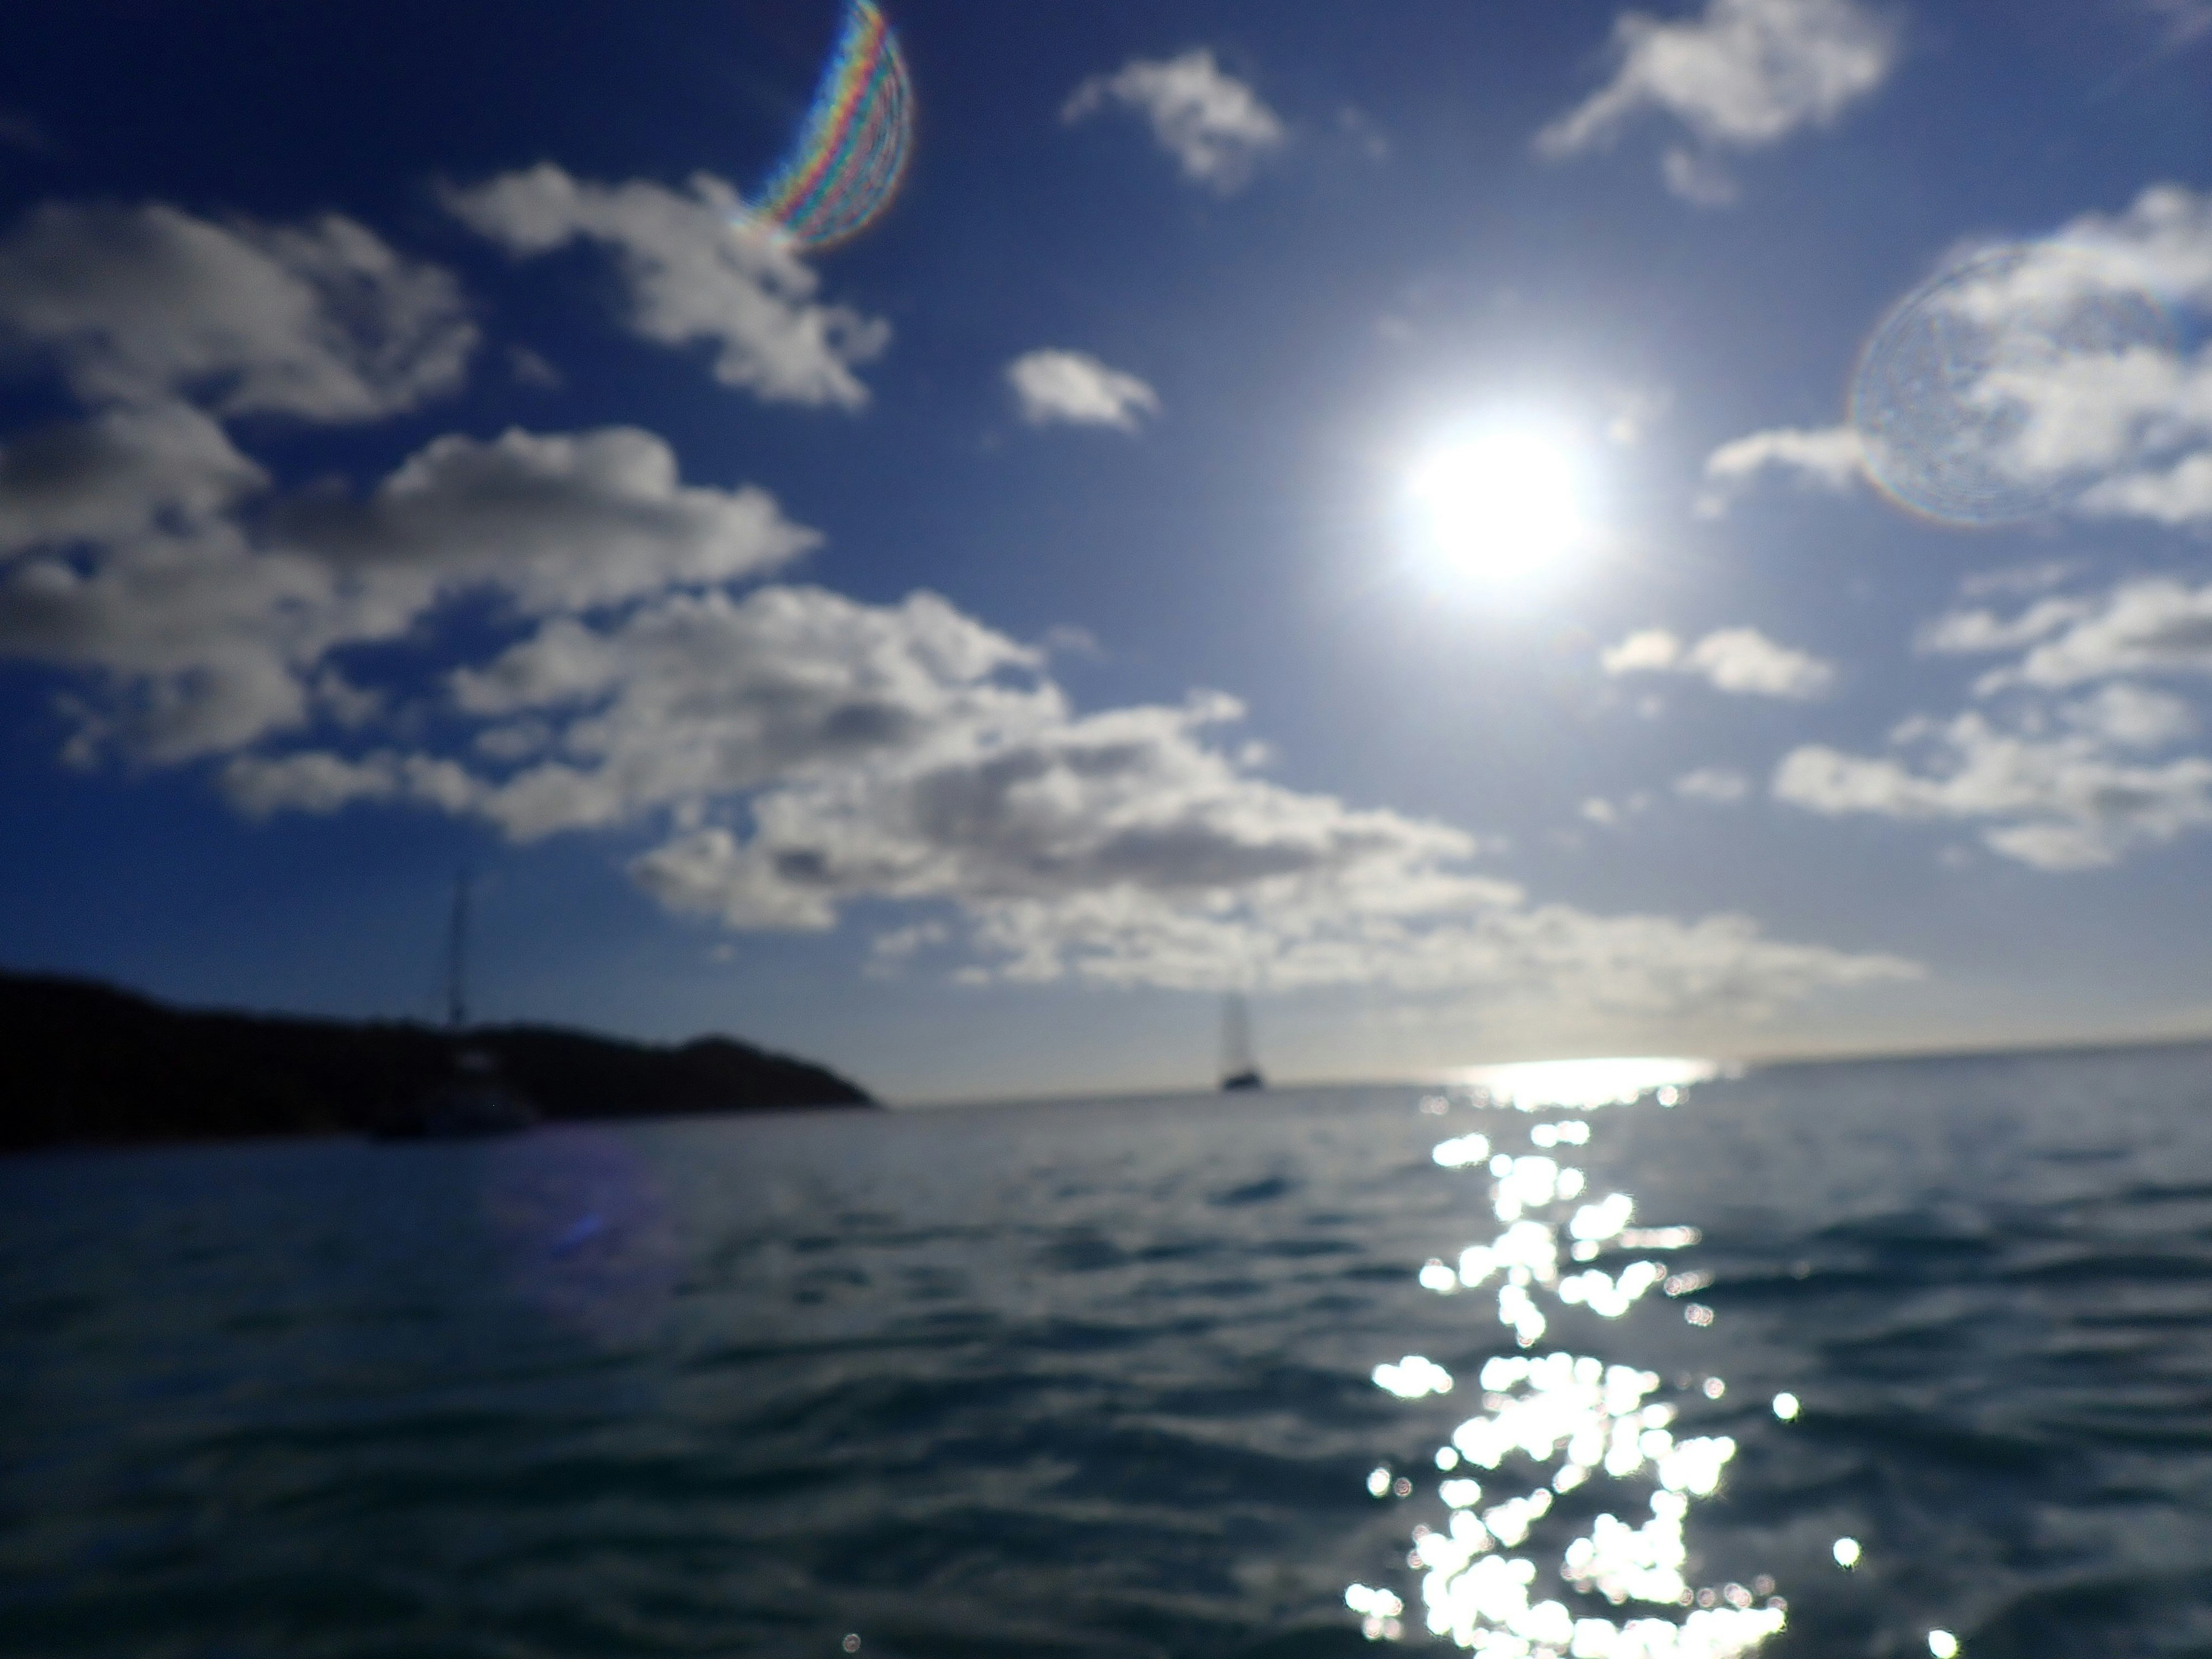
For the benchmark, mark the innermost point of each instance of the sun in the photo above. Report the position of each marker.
(1500, 505)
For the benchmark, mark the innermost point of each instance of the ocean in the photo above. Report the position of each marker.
(1641, 1363)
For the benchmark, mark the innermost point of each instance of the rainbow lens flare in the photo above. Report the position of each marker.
(852, 149)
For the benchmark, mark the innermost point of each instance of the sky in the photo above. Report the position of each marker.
(1497, 530)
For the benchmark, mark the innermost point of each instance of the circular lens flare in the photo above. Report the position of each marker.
(1501, 505)
(1974, 396)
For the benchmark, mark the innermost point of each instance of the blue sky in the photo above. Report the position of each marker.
(963, 654)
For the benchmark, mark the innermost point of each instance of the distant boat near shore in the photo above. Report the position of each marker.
(1239, 1069)
(477, 1099)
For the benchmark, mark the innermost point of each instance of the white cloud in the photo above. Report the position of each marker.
(2180, 494)
(1698, 177)
(805, 753)
(126, 552)
(1830, 458)
(2161, 243)
(120, 473)
(1965, 633)
(1076, 388)
(125, 556)
(692, 275)
(1740, 661)
(313, 781)
(1653, 650)
(1742, 75)
(320, 320)
(140, 550)
(1744, 661)
(2069, 799)
(1718, 784)
(2151, 626)
(1215, 125)
(2131, 716)
(702, 697)
(559, 522)
(2060, 779)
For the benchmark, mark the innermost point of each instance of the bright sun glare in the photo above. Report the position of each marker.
(1501, 505)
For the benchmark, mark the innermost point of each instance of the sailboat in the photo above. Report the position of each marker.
(476, 1100)
(1238, 1068)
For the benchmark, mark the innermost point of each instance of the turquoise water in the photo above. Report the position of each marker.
(1101, 1378)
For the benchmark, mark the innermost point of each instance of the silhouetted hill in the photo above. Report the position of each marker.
(81, 1062)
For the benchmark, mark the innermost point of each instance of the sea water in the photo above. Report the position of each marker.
(1856, 1359)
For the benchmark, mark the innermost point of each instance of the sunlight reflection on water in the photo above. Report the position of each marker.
(1582, 1084)
(1558, 1422)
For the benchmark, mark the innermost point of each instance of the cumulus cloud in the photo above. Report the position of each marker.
(1740, 661)
(690, 275)
(125, 551)
(125, 555)
(320, 320)
(1740, 76)
(142, 550)
(797, 753)
(803, 753)
(1652, 650)
(1073, 387)
(1828, 458)
(1970, 632)
(1718, 784)
(2154, 625)
(558, 522)
(2068, 799)
(1215, 125)
(120, 473)
(2058, 777)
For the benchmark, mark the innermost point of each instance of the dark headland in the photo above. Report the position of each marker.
(86, 1064)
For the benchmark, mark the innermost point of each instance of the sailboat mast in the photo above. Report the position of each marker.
(1236, 1036)
(456, 956)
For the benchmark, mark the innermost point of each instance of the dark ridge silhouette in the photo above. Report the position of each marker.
(81, 1062)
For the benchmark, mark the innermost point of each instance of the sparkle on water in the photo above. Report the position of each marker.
(1966, 399)
(1577, 1417)
(851, 151)
(1502, 504)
